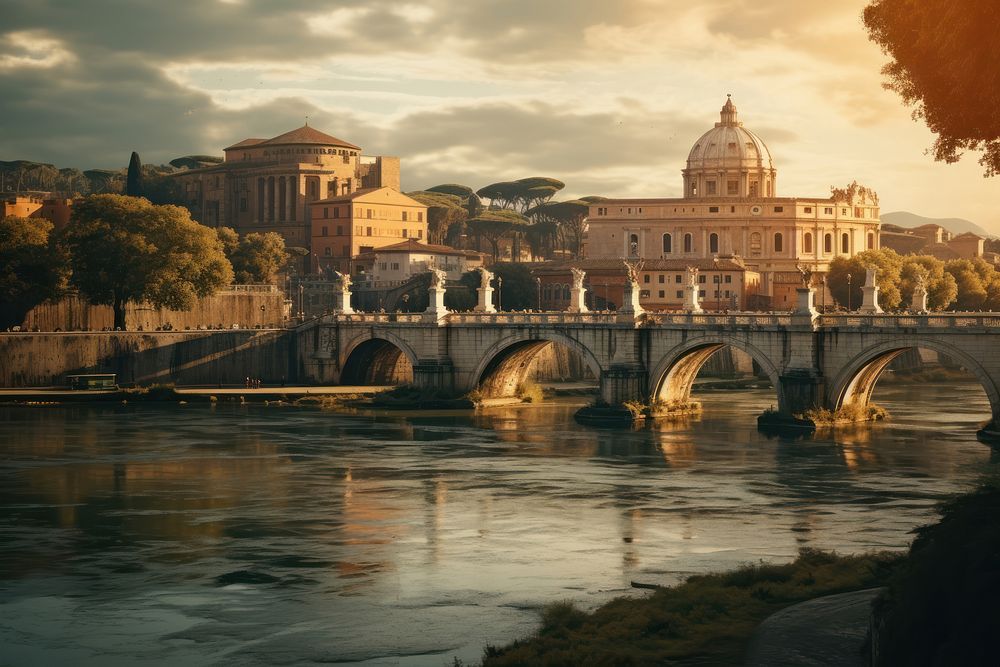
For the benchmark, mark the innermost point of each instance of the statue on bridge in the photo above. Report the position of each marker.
(578, 276)
(578, 295)
(918, 302)
(869, 301)
(807, 274)
(485, 276)
(342, 293)
(632, 270)
(438, 278)
(692, 301)
(343, 279)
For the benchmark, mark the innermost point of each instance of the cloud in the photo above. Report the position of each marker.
(32, 50)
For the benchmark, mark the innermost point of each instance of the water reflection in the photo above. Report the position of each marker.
(260, 535)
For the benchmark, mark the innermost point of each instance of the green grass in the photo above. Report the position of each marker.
(706, 620)
(848, 413)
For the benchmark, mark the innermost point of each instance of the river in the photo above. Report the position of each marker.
(242, 534)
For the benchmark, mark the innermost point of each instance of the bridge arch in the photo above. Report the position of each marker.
(504, 367)
(377, 358)
(856, 381)
(673, 377)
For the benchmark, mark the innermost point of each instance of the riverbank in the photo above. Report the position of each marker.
(709, 619)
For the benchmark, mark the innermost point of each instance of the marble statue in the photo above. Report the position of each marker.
(578, 276)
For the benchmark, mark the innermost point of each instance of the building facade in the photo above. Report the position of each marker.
(393, 265)
(267, 185)
(723, 283)
(56, 211)
(730, 207)
(357, 223)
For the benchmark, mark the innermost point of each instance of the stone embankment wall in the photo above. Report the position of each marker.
(181, 357)
(246, 305)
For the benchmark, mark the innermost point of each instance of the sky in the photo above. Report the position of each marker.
(606, 96)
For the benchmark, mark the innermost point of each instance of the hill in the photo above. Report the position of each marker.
(954, 225)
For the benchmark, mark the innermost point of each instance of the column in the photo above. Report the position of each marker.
(291, 197)
(265, 215)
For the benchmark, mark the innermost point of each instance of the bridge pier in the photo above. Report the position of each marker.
(434, 374)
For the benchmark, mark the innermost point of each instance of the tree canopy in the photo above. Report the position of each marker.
(31, 269)
(493, 225)
(944, 63)
(444, 211)
(259, 257)
(125, 249)
(896, 278)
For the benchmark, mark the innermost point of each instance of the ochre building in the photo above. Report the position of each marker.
(267, 185)
(731, 207)
(353, 224)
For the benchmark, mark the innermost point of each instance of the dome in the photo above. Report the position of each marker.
(729, 151)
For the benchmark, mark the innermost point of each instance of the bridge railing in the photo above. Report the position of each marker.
(553, 317)
(932, 320)
(380, 317)
(733, 320)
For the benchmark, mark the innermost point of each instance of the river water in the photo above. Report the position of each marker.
(227, 534)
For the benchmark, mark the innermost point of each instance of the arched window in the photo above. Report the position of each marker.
(871, 241)
(807, 242)
(845, 243)
(633, 245)
(713, 243)
(688, 242)
(668, 244)
(778, 242)
(828, 243)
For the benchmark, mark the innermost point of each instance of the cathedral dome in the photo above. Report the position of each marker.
(726, 153)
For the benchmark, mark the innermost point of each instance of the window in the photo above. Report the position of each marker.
(713, 209)
(602, 211)
(678, 279)
(326, 212)
(662, 294)
(633, 245)
(346, 251)
(340, 230)
(420, 233)
(368, 214)
(327, 251)
(729, 279)
(694, 189)
(713, 242)
(243, 205)
(859, 212)
(325, 231)
(753, 188)
(843, 211)
(807, 242)
(358, 230)
(701, 278)
(755, 244)
(404, 233)
(680, 294)
(701, 294)
(662, 279)
(808, 209)
(779, 209)
(732, 187)
(828, 243)
(778, 242)
(871, 241)
(688, 242)
(404, 216)
(845, 244)
(709, 187)
(368, 231)
(645, 278)
(667, 244)
(395, 266)
(420, 216)
(643, 294)
(716, 279)
(828, 210)
(336, 211)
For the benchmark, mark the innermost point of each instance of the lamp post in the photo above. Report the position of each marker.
(822, 282)
(406, 303)
(302, 314)
(500, 293)
(848, 292)
(538, 286)
(606, 294)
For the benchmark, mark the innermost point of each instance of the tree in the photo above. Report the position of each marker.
(978, 284)
(259, 257)
(518, 290)
(944, 63)
(494, 226)
(133, 181)
(125, 249)
(444, 211)
(889, 265)
(941, 286)
(230, 241)
(31, 269)
(570, 216)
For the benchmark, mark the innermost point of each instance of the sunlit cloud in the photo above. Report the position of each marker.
(31, 49)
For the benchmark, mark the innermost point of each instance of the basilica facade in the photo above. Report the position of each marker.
(731, 208)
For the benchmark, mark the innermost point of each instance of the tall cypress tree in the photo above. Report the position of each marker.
(133, 184)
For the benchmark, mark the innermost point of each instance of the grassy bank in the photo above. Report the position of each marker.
(706, 620)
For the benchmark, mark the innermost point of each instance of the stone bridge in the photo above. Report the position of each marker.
(812, 360)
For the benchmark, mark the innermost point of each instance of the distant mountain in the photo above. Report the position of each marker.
(954, 225)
